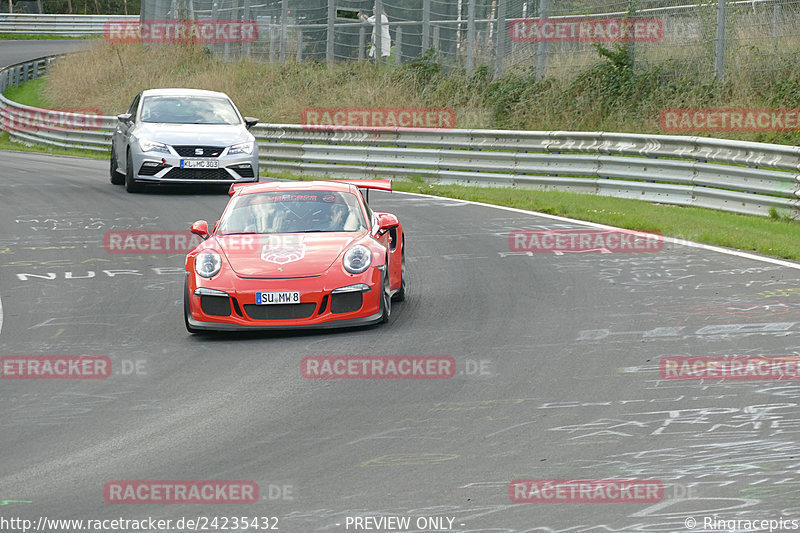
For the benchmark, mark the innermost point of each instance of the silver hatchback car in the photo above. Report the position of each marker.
(174, 136)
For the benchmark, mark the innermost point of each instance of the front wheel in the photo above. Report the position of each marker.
(116, 177)
(186, 312)
(130, 183)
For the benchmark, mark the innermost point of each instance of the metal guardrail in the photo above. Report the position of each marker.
(28, 23)
(736, 176)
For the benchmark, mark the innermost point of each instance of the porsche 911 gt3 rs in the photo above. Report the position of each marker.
(295, 254)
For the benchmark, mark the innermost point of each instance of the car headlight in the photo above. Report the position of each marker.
(152, 146)
(357, 259)
(242, 148)
(207, 264)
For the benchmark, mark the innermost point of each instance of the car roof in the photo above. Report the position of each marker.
(182, 92)
(279, 186)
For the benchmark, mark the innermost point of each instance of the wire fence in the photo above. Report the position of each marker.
(553, 39)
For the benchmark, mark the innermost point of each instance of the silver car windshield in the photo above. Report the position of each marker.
(189, 110)
(295, 212)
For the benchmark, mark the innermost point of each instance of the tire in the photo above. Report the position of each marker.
(130, 184)
(116, 177)
(186, 313)
(386, 298)
(400, 295)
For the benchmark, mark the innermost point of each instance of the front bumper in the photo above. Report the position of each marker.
(233, 307)
(160, 167)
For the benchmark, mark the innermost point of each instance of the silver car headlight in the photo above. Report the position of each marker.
(207, 264)
(152, 146)
(242, 148)
(357, 259)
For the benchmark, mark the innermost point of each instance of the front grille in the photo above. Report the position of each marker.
(215, 305)
(245, 171)
(197, 174)
(346, 302)
(190, 151)
(279, 312)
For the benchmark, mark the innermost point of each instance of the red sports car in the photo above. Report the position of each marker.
(295, 254)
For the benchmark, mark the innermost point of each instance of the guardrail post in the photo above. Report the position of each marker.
(35, 70)
(329, 50)
(719, 53)
(362, 42)
(502, 35)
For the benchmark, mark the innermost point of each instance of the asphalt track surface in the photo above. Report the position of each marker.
(568, 386)
(12, 52)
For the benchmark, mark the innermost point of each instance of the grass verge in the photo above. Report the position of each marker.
(29, 93)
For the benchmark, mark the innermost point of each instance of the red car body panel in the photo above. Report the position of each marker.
(247, 269)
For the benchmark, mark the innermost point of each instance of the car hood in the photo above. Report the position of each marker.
(285, 255)
(194, 134)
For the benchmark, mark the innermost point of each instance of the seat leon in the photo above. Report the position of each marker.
(175, 136)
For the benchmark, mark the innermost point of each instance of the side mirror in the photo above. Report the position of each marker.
(125, 118)
(249, 122)
(386, 222)
(200, 228)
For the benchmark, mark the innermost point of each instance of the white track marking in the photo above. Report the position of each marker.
(691, 244)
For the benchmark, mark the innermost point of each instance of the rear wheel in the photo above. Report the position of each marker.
(386, 297)
(130, 184)
(116, 177)
(400, 295)
(186, 312)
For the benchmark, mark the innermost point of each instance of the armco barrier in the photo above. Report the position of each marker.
(735, 176)
(53, 24)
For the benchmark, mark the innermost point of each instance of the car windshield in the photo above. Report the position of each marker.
(189, 110)
(293, 212)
